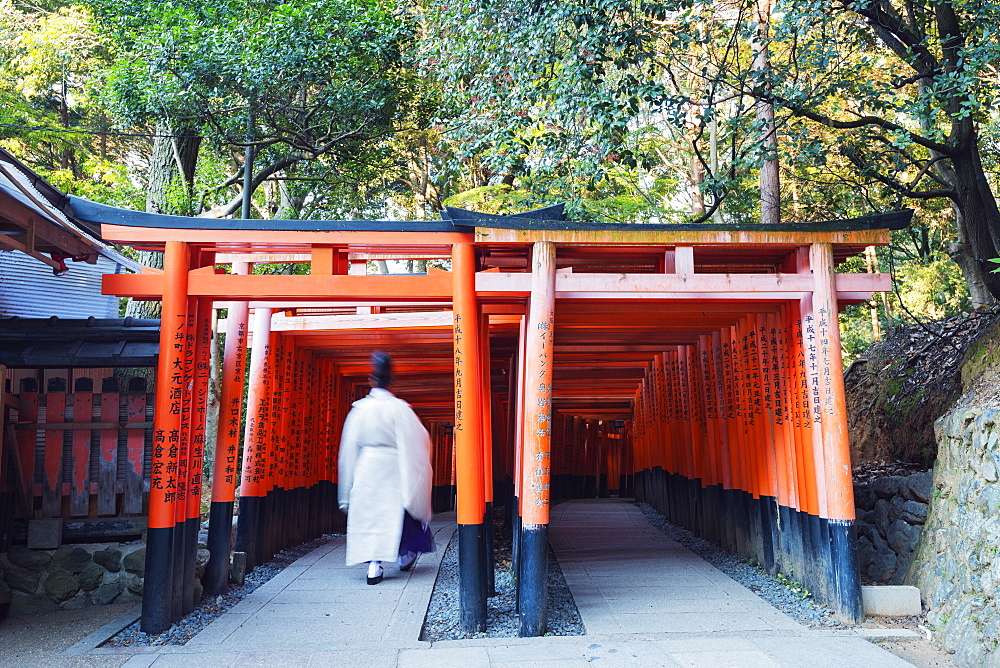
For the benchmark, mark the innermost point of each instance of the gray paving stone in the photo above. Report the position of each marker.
(467, 657)
(745, 659)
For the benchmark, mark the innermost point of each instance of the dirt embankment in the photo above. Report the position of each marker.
(912, 377)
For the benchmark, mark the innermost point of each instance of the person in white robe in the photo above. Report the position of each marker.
(384, 469)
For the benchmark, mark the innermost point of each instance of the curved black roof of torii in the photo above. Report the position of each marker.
(461, 220)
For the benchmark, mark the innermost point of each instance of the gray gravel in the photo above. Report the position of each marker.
(442, 622)
(211, 608)
(793, 603)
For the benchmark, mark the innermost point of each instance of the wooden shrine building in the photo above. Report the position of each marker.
(697, 367)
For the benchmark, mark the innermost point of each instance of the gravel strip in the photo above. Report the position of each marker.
(795, 604)
(212, 607)
(442, 620)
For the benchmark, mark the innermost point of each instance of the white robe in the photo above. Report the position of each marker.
(384, 468)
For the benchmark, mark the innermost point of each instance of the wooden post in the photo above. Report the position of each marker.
(834, 443)
(202, 339)
(252, 478)
(486, 417)
(224, 472)
(537, 441)
(158, 586)
(468, 442)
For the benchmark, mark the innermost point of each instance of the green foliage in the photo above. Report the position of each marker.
(324, 82)
(935, 290)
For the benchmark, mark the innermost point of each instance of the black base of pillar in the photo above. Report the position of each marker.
(215, 580)
(247, 530)
(767, 506)
(489, 571)
(179, 536)
(531, 584)
(158, 581)
(847, 605)
(471, 580)
(191, 528)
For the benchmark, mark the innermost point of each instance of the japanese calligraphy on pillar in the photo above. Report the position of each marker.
(231, 412)
(825, 369)
(732, 403)
(460, 381)
(257, 421)
(200, 398)
(812, 369)
(768, 377)
(540, 414)
(166, 442)
(184, 442)
(776, 346)
(800, 389)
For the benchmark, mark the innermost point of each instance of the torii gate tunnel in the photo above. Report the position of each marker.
(697, 367)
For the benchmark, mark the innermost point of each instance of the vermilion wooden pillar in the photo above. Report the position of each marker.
(253, 486)
(469, 442)
(486, 417)
(202, 340)
(835, 445)
(224, 471)
(537, 441)
(158, 585)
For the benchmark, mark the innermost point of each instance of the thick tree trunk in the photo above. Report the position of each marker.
(289, 203)
(171, 169)
(978, 222)
(770, 180)
(168, 190)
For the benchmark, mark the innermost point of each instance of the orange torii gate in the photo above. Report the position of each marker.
(697, 366)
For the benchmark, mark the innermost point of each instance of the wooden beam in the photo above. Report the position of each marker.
(638, 236)
(437, 287)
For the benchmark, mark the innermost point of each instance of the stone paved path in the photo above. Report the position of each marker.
(645, 601)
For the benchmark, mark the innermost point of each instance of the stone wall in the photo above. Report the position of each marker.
(72, 577)
(891, 513)
(956, 566)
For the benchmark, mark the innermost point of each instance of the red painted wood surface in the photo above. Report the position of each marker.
(107, 464)
(55, 411)
(26, 439)
(135, 447)
(79, 494)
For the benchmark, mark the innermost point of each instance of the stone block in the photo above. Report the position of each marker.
(902, 537)
(90, 577)
(19, 555)
(200, 561)
(914, 512)
(45, 534)
(134, 583)
(135, 562)
(71, 558)
(109, 559)
(882, 520)
(61, 586)
(989, 499)
(106, 593)
(891, 601)
(239, 570)
(886, 487)
(22, 579)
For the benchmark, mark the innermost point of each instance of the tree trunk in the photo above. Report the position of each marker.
(171, 174)
(978, 222)
(289, 203)
(770, 181)
(171, 170)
